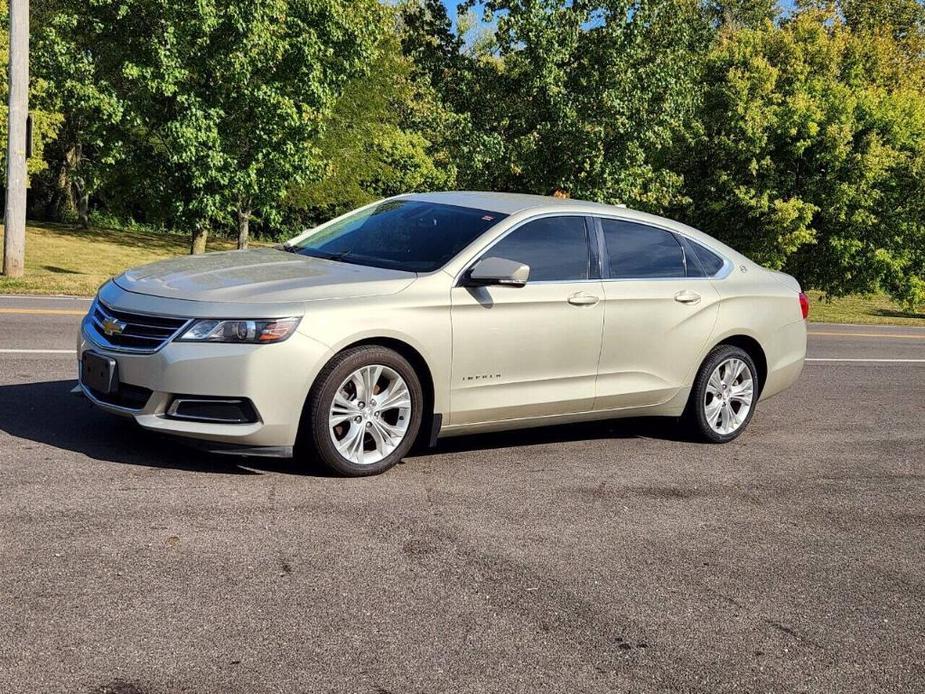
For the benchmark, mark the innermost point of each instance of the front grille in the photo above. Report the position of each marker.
(132, 332)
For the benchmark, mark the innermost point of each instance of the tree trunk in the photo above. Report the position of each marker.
(244, 220)
(198, 245)
(83, 209)
(71, 182)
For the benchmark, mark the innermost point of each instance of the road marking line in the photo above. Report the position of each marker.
(61, 297)
(889, 336)
(45, 311)
(38, 351)
(872, 361)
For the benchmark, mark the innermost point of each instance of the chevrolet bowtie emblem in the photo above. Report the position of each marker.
(113, 326)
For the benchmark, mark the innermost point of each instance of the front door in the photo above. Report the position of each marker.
(531, 351)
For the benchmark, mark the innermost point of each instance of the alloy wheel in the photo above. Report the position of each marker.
(370, 414)
(728, 397)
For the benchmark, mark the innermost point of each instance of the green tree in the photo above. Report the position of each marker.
(743, 13)
(812, 154)
(385, 136)
(903, 18)
(584, 97)
(81, 73)
(221, 101)
(462, 87)
(45, 119)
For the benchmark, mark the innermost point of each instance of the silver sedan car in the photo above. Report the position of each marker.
(439, 314)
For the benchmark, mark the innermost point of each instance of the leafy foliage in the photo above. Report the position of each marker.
(584, 97)
(222, 100)
(83, 75)
(797, 137)
(45, 120)
(811, 156)
(743, 13)
(905, 19)
(385, 136)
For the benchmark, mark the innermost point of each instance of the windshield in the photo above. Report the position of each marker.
(410, 235)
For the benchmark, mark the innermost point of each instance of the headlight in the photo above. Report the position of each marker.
(241, 331)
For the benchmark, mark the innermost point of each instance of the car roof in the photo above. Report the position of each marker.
(505, 203)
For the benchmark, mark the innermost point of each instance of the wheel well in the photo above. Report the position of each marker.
(420, 367)
(753, 348)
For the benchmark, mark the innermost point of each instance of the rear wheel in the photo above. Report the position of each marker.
(365, 410)
(723, 398)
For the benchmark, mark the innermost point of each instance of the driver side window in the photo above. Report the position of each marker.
(555, 248)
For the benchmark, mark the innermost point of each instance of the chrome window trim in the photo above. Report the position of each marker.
(591, 281)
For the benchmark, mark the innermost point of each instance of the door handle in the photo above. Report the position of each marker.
(582, 299)
(687, 297)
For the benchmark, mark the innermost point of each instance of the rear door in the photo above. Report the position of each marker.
(659, 312)
(530, 351)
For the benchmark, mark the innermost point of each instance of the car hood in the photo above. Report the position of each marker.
(260, 275)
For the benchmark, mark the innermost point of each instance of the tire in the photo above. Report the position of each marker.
(719, 419)
(356, 436)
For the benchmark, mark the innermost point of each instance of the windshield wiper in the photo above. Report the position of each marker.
(318, 253)
(324, 255)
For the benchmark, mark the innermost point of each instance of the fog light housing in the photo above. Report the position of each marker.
(195, 408)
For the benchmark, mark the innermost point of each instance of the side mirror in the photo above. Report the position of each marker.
(490, 271)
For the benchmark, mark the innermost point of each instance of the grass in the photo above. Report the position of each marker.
(874, 309)
(62, 259)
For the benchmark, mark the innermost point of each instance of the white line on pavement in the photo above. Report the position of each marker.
(38, 351)
(872, 361)
(42, 311)
(888, 336)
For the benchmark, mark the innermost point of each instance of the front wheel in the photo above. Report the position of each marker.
(365, 410)
(724, 395)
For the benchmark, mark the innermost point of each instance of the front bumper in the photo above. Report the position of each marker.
(275, 378)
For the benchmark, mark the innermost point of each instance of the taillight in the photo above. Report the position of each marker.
(804, 305)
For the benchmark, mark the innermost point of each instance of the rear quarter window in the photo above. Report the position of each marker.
(710, 261)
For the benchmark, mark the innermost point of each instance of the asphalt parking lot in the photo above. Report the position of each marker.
(599, 558)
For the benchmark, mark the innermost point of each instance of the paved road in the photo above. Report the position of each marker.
(599, 558)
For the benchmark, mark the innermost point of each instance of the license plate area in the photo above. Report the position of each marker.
(99, 373)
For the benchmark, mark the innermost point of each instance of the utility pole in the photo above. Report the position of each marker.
(14, 233)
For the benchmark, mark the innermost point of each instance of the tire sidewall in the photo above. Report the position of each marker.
(322, 395)
(696, 413)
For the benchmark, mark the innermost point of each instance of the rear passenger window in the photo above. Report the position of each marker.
(555, 248)
(711, 262)
(638, 251)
